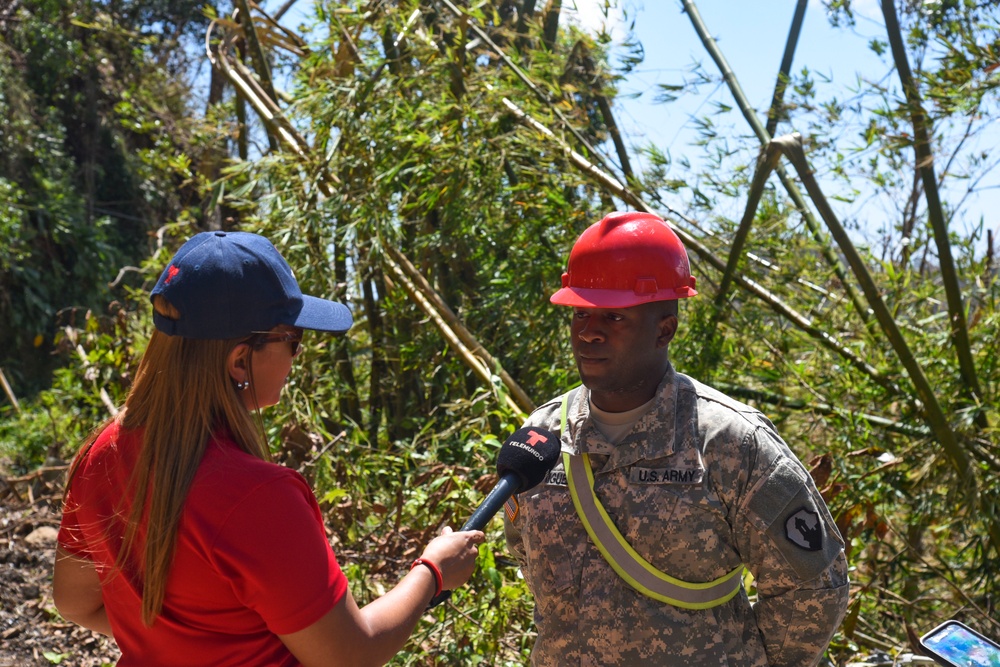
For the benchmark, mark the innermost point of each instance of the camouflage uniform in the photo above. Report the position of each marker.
(700, 484)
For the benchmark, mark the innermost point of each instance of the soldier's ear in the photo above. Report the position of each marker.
(667, 328)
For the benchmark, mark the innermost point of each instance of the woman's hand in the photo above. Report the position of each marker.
(455, 555)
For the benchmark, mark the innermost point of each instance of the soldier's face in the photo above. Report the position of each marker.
(621, 353)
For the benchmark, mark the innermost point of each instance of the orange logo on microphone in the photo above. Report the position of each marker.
(536, 438)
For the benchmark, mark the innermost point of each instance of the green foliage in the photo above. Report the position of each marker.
(92, 153)
(99, 355)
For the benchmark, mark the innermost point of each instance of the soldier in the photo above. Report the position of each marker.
(636, 544)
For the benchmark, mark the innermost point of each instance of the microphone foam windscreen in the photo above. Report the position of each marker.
(529, 452)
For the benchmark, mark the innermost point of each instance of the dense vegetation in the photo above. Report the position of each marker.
(432, 165)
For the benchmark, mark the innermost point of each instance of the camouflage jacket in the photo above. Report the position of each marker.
(700, 484)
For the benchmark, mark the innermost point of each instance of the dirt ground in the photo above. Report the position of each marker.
(31, 631)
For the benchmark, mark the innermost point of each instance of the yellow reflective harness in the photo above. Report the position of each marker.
(635, 570)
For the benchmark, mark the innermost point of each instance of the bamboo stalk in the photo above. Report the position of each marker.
(931, 407)
(256, 53)
(10, 392)
(766, 162)
(582, 55)
(822, 409)
(793, 191)
(428, 293)
(925, 165)
(791, 146)
(101, 391)
(778, 97)
(249, 90)
(477, 364)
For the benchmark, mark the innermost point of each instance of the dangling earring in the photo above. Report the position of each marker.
(242, 386)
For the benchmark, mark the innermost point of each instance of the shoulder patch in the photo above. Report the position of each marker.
(804, 529)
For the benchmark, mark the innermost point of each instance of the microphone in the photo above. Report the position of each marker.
(525, 457)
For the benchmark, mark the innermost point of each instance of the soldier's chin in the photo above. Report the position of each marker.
(594, 381)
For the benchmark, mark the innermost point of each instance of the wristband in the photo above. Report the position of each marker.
(438, 579)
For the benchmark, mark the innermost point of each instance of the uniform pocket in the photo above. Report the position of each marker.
(551, 541)
(681, 529)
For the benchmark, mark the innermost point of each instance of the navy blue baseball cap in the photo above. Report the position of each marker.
(231, 284)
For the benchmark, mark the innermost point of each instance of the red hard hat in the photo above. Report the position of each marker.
(624, 260)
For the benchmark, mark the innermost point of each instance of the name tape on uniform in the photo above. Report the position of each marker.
(666, 475)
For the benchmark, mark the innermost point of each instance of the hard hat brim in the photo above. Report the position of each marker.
(579, 297)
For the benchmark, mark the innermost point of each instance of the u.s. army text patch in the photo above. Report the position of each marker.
(666, 475)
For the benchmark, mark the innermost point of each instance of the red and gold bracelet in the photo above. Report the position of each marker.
(438, 579)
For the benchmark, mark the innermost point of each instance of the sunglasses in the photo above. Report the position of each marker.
(293, 337)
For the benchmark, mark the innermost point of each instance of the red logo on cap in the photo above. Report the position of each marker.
(536, 438)
(171, 272)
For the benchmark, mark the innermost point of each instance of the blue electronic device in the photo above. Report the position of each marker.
(955, 644)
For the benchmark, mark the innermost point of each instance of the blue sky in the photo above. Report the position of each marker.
(752, 35)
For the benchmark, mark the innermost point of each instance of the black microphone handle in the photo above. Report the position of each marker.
(503, 490)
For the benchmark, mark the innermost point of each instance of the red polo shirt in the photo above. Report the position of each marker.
(252, 559)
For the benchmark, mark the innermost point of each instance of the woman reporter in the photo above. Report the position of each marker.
(179, 537)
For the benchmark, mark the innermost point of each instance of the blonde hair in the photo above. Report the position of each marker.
(181, 395)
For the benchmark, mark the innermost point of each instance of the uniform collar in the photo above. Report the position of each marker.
(652, 436)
